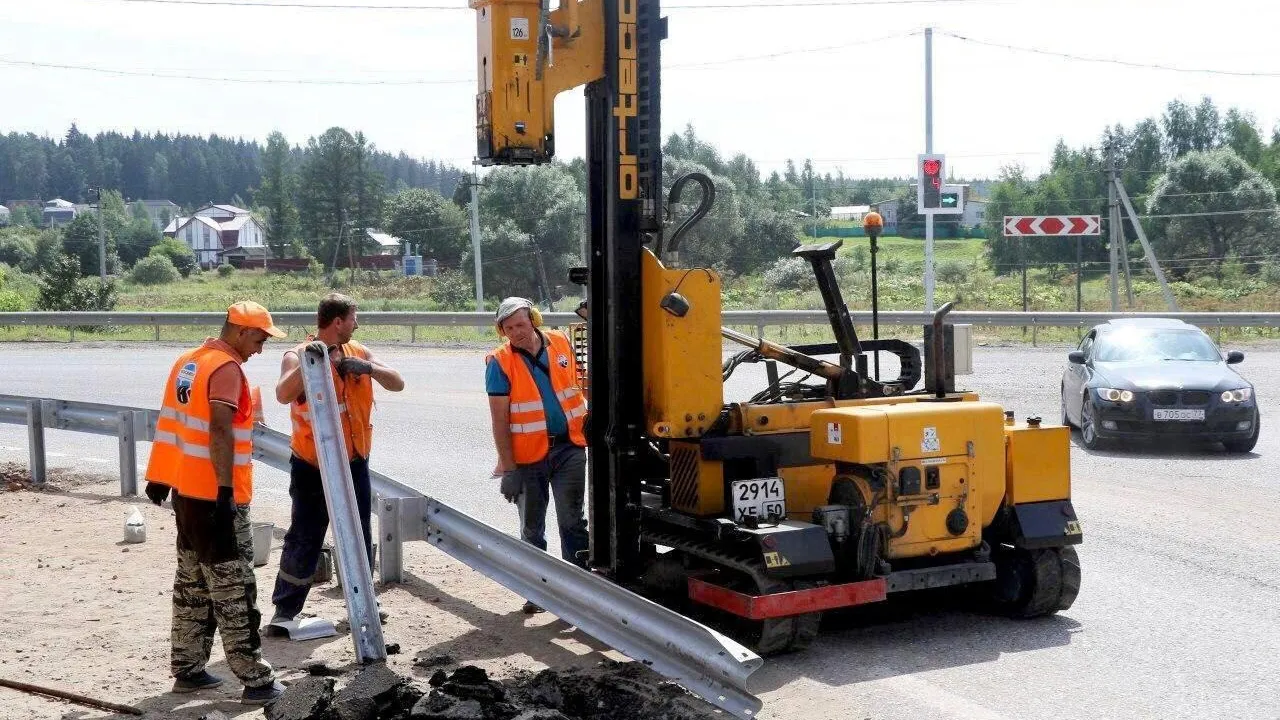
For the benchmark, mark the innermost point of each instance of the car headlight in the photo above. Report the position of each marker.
(1115, 395)
(1237, 395)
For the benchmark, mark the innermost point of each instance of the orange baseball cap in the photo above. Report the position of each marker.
(247, 313)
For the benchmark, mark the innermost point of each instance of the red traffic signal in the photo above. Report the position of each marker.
(931, 169)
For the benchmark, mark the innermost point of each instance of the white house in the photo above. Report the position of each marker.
(888, 210)
(975, 212)
(58, 212)
(850, 212)
(216, 229)
(387, 244)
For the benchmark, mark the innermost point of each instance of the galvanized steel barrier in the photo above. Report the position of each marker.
(758, 319)
(709, 664)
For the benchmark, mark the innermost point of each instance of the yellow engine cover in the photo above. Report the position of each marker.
(1038, 463)
(955, 449)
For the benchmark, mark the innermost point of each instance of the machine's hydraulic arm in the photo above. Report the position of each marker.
(786, 355)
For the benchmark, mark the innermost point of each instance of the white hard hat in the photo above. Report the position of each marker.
(510, 306)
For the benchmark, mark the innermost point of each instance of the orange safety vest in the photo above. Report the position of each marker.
(528, 418)
(180, 449)
(355, 407)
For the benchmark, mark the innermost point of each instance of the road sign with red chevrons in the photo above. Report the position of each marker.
(1055, 225)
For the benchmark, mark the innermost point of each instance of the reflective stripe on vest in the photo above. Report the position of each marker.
(196, 423)
(197, 450)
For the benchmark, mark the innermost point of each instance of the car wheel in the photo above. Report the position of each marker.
(1247, 444)
(1089, 426)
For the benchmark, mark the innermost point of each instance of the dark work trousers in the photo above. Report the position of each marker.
(307, 525)
(560, 477)
(215, 592)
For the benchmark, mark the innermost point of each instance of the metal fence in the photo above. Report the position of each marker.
(759, 319)
(702, 660)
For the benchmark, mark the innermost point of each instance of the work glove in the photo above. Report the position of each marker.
(354, 366)
(224, 511)
(316, 346)
(512, 485)
(158, 492)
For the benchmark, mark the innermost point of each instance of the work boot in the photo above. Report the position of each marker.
(273, 630)
(531, 609)
(262, 694)
(202, 680)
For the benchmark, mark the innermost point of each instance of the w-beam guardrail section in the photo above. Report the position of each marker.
(758, 319)
(709, 664)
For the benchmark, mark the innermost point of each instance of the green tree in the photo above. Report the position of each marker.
(542, 202)
(1240, 133)
(425, 219)
(510, 266)
(62, 289)
(178, 253)
(279, 186)
(154, 270)
(1221, 207)
(80, 240)
(340, 194)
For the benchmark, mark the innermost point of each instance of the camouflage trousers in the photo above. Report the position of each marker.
(215, 592)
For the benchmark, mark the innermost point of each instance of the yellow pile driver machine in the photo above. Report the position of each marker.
(759, 515)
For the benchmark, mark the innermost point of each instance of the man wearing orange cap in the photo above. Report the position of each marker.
(202, 451)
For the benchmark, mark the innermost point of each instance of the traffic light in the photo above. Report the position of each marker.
(931, 168)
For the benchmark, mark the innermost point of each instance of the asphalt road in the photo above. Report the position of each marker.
(1178, 616)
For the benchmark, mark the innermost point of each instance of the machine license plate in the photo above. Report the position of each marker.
(760, 498)
(1184, 415)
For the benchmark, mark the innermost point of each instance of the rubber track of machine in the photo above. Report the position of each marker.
(776, 635)
(1045, 568)
(1070, 577)
(807, 625)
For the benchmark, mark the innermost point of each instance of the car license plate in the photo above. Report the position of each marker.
(1171, 414)
(761, 498)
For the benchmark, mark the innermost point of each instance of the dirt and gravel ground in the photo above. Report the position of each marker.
(87, 613)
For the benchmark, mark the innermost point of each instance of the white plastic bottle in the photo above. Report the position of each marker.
(135, 527)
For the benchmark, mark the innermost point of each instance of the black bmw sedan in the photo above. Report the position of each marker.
(1150, 378)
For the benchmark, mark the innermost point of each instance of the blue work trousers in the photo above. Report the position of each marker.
(562, 476)
(308, 523)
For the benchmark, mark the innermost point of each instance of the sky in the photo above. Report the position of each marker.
(839, 83)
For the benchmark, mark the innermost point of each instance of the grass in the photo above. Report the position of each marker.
(959, 265)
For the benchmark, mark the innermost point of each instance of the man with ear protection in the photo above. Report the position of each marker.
(538, 412)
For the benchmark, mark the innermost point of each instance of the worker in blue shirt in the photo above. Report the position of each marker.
(539, 414)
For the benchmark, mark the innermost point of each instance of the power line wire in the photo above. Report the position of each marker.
(1108, 61)
(208, 78)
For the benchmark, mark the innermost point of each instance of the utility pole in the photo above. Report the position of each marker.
(475, 241)
(1114, 229)
(102, 240)
(928, 148)
(542, 279)
(813, 193)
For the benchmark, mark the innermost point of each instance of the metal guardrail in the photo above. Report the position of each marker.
(753, 318)
(705, 662)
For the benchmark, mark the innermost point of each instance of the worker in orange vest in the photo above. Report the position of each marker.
(355, 369)
(538, 413)
(202, 451)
